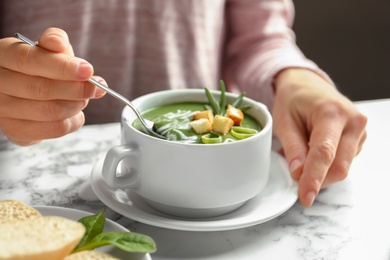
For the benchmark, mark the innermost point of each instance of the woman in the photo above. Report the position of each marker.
(141, 46)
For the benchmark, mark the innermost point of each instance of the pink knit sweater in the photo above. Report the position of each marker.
(141, 46)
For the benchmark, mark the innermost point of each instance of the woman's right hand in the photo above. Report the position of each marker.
(44, 89)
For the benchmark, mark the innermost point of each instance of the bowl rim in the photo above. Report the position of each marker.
(128, 115)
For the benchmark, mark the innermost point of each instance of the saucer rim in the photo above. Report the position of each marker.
(153, 217)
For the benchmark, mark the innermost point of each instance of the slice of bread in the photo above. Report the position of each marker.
(39, 238)
(12, 210)
(90, 255)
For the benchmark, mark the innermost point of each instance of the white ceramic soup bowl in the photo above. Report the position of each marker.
(190, 180)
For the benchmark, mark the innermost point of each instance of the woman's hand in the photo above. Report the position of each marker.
(43, 90)
(321, 131)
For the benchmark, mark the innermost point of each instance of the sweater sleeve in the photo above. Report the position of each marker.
(260, 43)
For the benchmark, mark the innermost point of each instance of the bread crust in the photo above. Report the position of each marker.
(90, 255)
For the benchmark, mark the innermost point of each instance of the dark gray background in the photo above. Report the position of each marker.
(350, 40)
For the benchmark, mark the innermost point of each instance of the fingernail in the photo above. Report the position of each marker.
(100, 92)
(294, 169)
(294, 165)
(84, 70)
(310, 197)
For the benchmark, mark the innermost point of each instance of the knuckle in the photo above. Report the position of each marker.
(341, 171)
(360, 121)
(293, 148)
(360, 143)
(329, 109)
(41, 89)
(61, 128)
(315, 183)
(67, 66)
(343, 174)
(68, 125)
(51, 111)
(59, 110)
(326, 151)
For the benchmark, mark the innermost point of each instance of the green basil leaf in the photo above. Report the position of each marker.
(127, 241)
(94, 226)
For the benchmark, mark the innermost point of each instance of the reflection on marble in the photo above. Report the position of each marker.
(56, 172)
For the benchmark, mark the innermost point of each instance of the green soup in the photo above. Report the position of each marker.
(173, 121)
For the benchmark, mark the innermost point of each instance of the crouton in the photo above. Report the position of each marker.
(201, 126)
(235, 114)
(208, 114)
(222, 124)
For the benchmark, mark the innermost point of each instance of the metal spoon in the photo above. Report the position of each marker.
(147, 124)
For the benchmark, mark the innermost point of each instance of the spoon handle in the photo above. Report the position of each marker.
(25, 39)
(117, 96)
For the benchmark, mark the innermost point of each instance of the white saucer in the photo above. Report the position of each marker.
(110, 226)
(276, 198)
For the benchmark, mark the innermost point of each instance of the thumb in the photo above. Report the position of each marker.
(55, 40)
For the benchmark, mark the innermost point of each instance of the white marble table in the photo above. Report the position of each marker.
(349, 220)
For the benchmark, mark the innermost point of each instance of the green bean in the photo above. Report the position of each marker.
(223, 98)
(238, 100)
(214, 104)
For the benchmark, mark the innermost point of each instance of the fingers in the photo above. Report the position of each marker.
(39, 88)
(23, 132)
(35, 61)
(43, 89)
(323, 143)
(36, 110)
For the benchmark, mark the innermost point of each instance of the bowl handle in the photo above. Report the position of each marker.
(129, 175)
